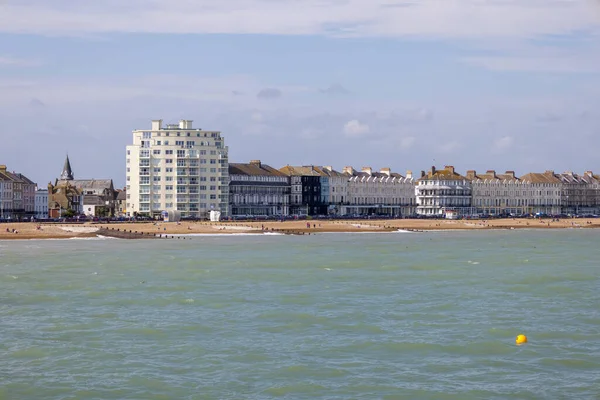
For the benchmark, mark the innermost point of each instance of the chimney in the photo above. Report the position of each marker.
(386, 171)
(432, 169)
(588, 173)
(328, 168)
(422, 174)
(491, 172)
(471, 174)
(511, 174)
(256, 162)
(449, 168)
(185, 124)
(368, 170)
(409, 174)
(2, 168)
(156, 124)
(549, 172)
(348, 170)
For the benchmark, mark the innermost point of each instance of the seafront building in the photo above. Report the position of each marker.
(121, 202)
(257, 189)
(305, 193)
(17, 195)
(543, 193)
(498, 194)
(41, 203)
(443, 192)
(90, 197)
(177, 168)
(580, 194)
(384, 193)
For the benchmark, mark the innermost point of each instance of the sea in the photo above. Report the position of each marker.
(429, 315)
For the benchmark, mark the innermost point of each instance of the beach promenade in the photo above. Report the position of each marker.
(28, 230)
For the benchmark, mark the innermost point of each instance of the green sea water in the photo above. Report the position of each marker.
(328, 316)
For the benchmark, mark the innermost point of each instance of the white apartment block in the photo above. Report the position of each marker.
(380, 193)
(177, 167)
(441, 192)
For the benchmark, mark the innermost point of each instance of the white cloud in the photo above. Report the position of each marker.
(335, 89)
(10, 61)
(407, 142)
(448, 147)
(354, 128)
(502, 144)
(257, 117)
(429, 18)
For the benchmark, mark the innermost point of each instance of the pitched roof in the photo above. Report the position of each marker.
(16, 177)
(332, 173)
(490, 176)
(541, 177)
(122, 195)
(253, 168)
(98, 184)
(446, 174)
(301, 171)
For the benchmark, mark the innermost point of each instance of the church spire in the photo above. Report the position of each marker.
(67, 173)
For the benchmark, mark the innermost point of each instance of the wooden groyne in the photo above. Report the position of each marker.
(132, 234)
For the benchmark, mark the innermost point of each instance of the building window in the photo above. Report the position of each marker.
(169, 161)
(156, 151)
(146, 135)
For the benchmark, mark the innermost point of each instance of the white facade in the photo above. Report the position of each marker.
(338, 186)
(498, 194)
(543, 193)
(177, 168)
(41, 203)
(6, 195)
(443, 190)
(379, 193)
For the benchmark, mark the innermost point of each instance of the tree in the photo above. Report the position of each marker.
(69, 213)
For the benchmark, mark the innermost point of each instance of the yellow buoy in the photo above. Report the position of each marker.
(521, 339)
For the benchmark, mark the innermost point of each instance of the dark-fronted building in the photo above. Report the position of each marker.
(257, 189)
(306, 197)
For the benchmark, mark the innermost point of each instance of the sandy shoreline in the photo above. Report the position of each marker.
(27, 230)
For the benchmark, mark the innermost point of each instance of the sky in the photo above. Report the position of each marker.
(404, 84)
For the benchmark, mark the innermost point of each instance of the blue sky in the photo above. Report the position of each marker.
(496, 84)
